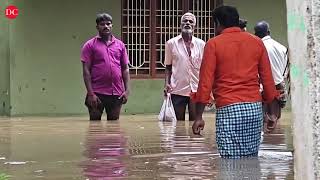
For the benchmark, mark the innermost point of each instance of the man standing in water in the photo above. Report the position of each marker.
(105, 71)
(231, 64)
(278, 59)
(183, 56)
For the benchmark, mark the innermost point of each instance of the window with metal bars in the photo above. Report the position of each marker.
(148, 24)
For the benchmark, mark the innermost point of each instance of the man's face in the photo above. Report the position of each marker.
(187, 24)
(104, 28)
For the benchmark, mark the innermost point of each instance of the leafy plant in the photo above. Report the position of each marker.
(4, 176)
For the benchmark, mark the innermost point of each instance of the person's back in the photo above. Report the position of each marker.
(230, 67)
(238, 54)
(278, 58)
(277, 52)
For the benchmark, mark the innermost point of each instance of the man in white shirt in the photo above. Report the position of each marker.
(278, 60)
(183, 57)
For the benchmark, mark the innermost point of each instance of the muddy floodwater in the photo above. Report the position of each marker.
(135, 147)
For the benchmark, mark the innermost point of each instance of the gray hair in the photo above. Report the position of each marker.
(189, 14)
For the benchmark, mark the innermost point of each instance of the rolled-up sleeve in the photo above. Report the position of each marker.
(207, 72)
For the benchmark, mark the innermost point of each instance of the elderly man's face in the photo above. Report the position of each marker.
(187, 24)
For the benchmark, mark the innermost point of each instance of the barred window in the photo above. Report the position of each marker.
(148, 24)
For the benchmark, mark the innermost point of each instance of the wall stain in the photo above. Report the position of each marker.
(296, 22)
(297, 72)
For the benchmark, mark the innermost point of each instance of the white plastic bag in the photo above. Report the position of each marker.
(167, 111)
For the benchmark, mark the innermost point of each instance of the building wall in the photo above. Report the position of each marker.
(46, 38)
(45, 76)
(4, 61)
(304, 42)
(272, 11)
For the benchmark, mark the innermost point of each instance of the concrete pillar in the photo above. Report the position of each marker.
(303, 18)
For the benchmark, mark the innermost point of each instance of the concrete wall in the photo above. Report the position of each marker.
(4, 61)
(304, 42)
(45, 67)
(273, 11)
(46, 38)
(146, 96)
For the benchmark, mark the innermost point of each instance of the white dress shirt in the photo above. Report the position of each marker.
(185, 68)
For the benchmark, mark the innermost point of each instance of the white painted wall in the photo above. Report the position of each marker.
(303, 18)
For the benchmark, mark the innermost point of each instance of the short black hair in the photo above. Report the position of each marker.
(261, 29)
(103, 17)
(242, 23)
(227, 16)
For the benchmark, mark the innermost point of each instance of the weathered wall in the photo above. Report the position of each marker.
(304, 39)
(272, 11)
(4, 61)
(45, 42)
(45, 67)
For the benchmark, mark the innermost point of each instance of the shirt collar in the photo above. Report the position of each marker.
(231, 30)
(192, 40)
(266, 38)
(112, 38)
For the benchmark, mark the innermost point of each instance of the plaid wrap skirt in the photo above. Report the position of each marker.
(238, 129)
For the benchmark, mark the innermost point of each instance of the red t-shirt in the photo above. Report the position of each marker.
(231, 67)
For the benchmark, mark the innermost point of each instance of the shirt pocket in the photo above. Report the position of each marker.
(116, 56)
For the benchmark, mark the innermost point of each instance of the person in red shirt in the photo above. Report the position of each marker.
(232, 64)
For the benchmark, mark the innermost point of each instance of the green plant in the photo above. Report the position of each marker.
(4, 176)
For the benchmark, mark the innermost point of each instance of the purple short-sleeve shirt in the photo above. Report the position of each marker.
(107, 61)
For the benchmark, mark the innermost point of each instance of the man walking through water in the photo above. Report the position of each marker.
(231, 64)
(279, 62)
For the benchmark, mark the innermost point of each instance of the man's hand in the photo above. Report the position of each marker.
(270, 122)
(167, 89)
(124, 96)
(197, 126)
(93, 100)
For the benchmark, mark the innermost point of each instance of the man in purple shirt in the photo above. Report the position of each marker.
(105, 71)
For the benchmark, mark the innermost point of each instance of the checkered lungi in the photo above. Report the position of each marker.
(238, 129)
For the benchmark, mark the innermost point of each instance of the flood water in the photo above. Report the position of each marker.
(135, 147)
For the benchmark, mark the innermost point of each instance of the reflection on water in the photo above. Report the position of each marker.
(192, 157)
(188, 156)
(5, 140)
(234, 169)
(5, 144)
(136, 147)
(105, 147)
